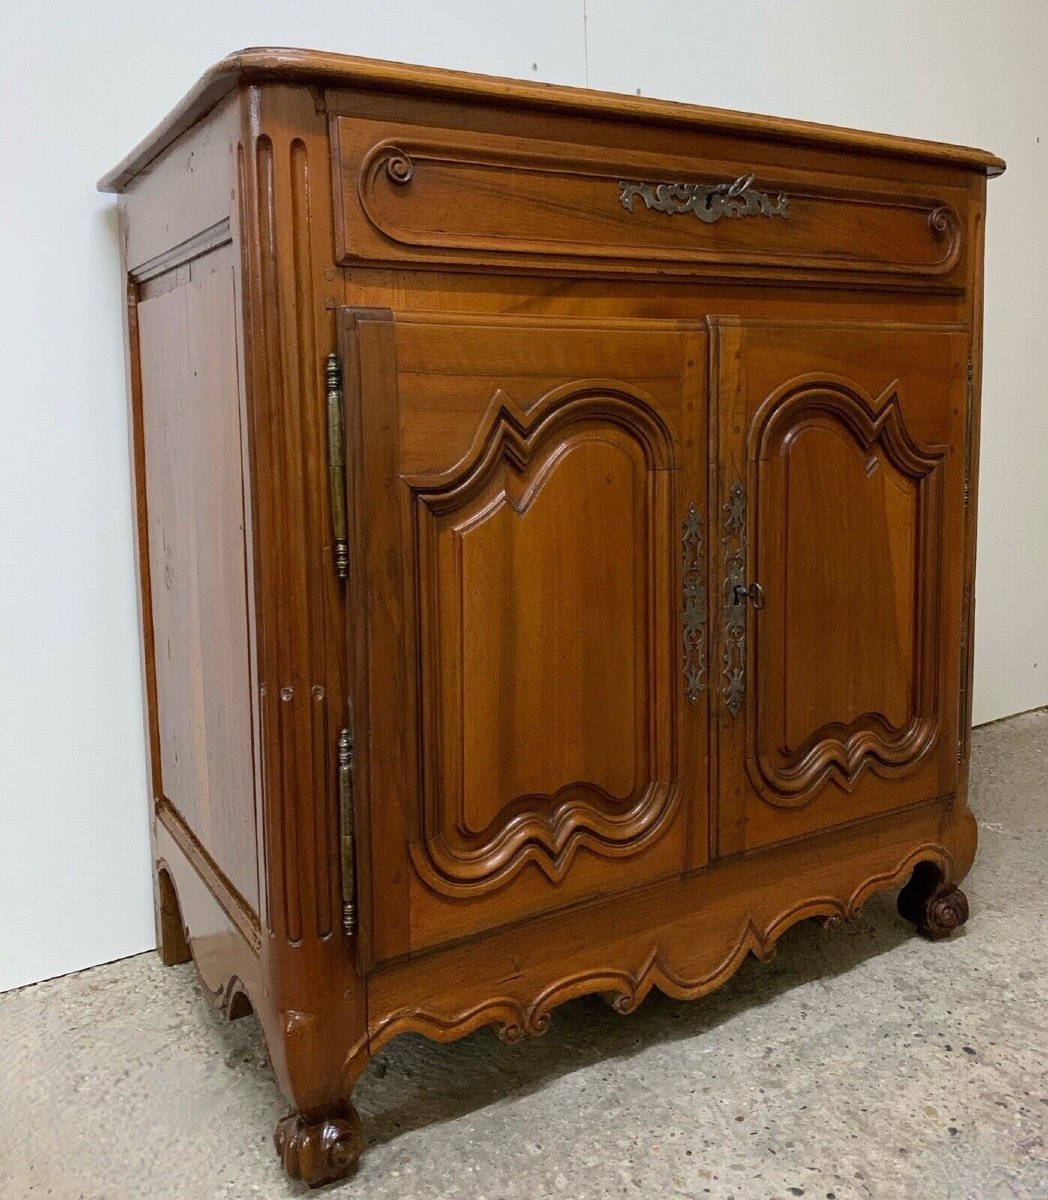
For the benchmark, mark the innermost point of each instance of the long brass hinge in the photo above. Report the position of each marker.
(337, 464)
(968, 435)
(345, 818)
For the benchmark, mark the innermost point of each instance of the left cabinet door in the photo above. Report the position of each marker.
(527, 615)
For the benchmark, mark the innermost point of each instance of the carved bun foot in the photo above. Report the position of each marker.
(935, 907)
(319, 1152)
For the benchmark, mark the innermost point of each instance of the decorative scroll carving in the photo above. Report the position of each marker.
(399, 167)
(734, 542)
(694, 606)
(322, 1151)
(708, 201)
(535, 1023)
(942, 222)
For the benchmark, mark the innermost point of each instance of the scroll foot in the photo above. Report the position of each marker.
(320, 1151)
(936, 908)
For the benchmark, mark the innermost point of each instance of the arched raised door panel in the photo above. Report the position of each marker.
(545, 649)
(846, 513)
(534, 511)
(841, 474)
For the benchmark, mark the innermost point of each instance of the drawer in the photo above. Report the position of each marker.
(407, 193)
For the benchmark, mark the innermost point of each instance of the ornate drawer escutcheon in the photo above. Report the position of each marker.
(708, 201)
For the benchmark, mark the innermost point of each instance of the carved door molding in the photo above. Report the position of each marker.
(787, 769)
(523, 607)
(838, 481)
(512, 463)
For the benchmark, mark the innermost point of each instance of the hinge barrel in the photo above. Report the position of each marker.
(337, 464)
(345, 806)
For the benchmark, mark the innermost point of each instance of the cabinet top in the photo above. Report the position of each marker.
(261, 65)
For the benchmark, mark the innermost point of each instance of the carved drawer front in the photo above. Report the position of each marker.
(841, 498)
(419, 194)
(532, 487)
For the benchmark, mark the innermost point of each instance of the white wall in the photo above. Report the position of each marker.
(82, 83)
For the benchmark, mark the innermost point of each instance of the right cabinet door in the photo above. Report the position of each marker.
(838, 572)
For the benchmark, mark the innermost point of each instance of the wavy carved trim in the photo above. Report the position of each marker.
(550, 842)
(844, 753)
(628, 986)
(392, 162)
(509, 435)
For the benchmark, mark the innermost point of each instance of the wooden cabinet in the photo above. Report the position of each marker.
(556, 532)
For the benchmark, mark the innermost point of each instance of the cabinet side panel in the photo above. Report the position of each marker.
(183, 195)
(197, 559)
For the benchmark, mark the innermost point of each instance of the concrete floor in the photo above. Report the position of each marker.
(862, 1065)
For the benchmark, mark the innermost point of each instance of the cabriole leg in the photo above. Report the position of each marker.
(321, 1139)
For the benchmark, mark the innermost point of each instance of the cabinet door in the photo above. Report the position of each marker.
(528, 542)
(840, 493)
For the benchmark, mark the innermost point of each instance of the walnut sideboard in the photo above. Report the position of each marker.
(556, 530)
